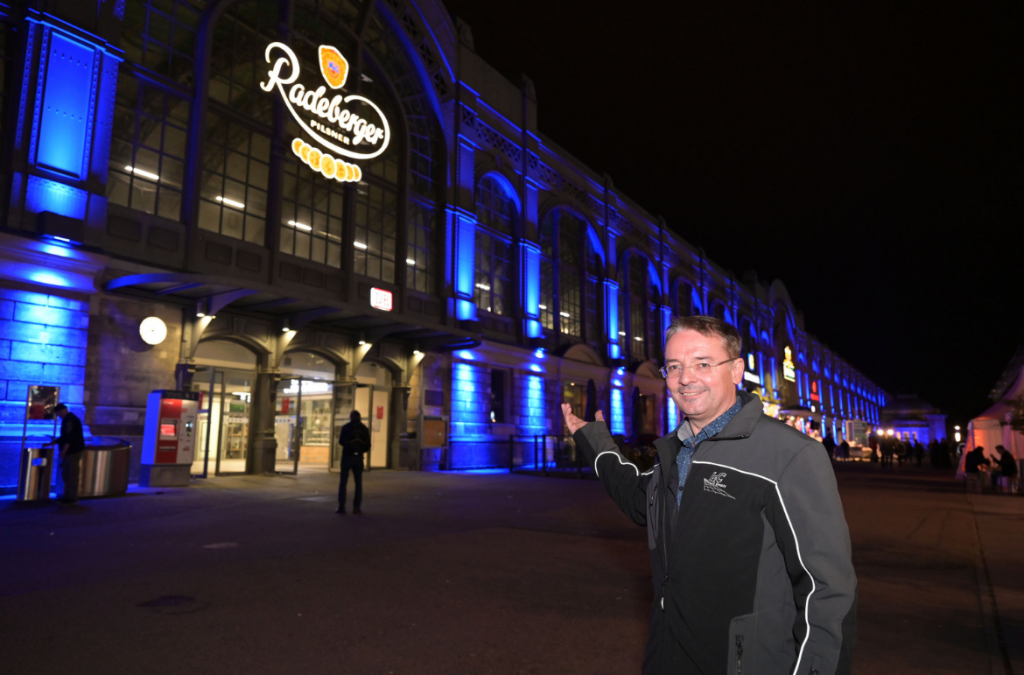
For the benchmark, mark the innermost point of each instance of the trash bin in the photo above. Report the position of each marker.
(105, 466)
(36, 474)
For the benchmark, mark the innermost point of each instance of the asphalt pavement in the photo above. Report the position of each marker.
(458, 573)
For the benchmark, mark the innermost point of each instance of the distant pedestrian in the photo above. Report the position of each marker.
(918, 451)
(1007, 464)
(354, 441)
(71, 446)
(830, 445)
(844, 450)
(975, 460)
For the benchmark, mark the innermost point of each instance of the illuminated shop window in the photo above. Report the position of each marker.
(417, 250)
(376, 231)
(147, 148)
(234, 178)
(575, 395)
(312, 212)
(160, 35)
(496, 214)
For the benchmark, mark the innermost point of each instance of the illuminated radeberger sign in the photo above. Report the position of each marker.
(340, 128)
(788, 369)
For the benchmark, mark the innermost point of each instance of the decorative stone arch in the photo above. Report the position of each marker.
(560, 204)
(583, 353)
(647, 369)
(255, 346)
(682, 285)
(339, 362)
(487, 167)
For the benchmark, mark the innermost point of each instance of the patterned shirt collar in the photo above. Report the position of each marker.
(685, 433)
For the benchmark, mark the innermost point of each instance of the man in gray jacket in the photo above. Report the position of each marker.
(749, 545)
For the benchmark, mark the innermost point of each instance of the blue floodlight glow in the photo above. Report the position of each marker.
(48, 278)
(673, 414)
(611, 299)
(466, 355)
(539, 353)
(43, 194)
(465, 257)
(465, 310)
(533, 328)
(617, 382)
(618, 413)
(534, 417)
(537, 368)
(621, 370)
(614, 351)
(64, 119)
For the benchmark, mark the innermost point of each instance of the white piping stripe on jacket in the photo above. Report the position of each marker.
(618, 457)
(796, 542)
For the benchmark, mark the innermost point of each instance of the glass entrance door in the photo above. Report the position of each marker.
(303, 423)
(210, 385)
(288, 421)
(223, 422)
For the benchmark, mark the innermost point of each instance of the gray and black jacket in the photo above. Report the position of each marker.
(753, 574)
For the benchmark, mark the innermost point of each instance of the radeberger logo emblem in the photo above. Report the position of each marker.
(333, 66)
(351, 127)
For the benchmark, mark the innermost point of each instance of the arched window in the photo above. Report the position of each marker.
(496, 213)
(570, 267)
(684, 298)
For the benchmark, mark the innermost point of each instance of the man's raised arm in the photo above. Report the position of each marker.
(621, 479)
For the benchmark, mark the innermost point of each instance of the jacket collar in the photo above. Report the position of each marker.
(740, 426)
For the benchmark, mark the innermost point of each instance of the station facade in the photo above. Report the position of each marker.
(298, 208)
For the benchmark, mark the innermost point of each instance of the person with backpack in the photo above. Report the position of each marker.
(354, 441)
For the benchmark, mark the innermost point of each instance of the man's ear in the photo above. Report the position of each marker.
(737, 371)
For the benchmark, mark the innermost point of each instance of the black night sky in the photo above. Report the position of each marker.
(869, 154)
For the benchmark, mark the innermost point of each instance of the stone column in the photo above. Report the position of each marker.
(261, 458)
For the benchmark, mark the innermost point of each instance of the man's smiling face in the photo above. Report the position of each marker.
(701, 389)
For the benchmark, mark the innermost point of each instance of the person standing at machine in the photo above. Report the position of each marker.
(354, 441)
(70, 445)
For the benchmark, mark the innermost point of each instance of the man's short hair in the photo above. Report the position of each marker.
(709, 326)
(60, 406)
(355, 416)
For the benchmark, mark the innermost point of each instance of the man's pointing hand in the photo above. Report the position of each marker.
(573, 422)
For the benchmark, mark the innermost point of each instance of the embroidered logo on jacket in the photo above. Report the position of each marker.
(714, 484)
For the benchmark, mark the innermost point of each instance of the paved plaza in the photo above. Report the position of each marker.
(457, 573)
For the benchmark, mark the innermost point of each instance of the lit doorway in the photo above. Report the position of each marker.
(304, 418)
(225, 378)
(373, 401)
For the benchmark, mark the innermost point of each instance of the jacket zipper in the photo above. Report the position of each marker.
(739, 655)
(664, 514)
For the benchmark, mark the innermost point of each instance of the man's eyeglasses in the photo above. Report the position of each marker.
(700, 368)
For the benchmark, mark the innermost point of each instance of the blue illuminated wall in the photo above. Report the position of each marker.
(618, 412)
(43, 341)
